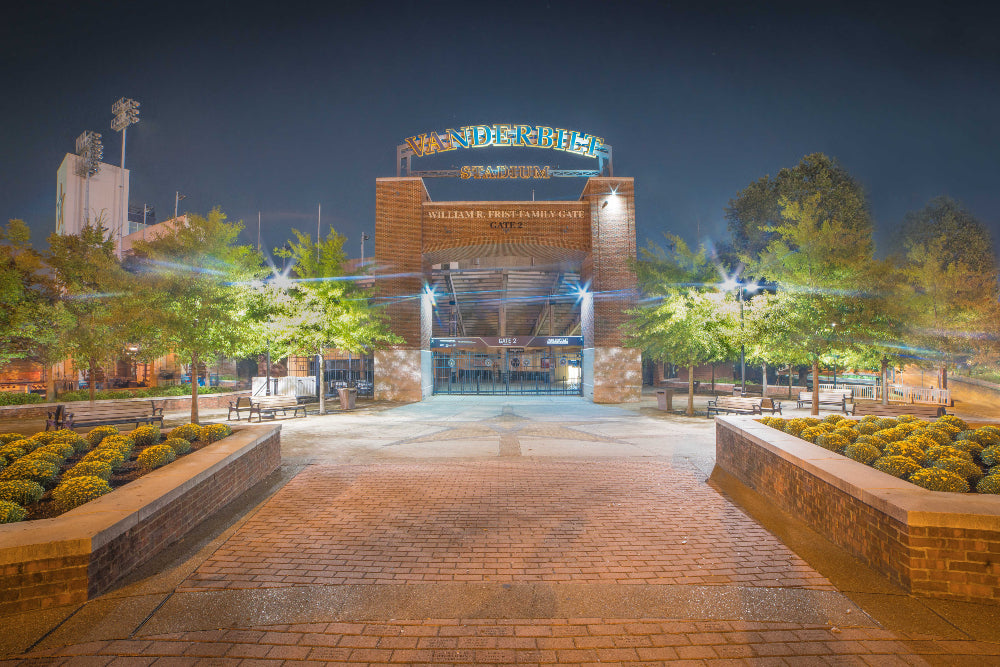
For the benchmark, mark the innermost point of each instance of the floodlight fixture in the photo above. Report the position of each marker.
(126, 113)
(91, 150)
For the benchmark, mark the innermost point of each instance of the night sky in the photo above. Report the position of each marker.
(282, 107)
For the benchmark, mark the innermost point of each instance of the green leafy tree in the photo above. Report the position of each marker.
(321, 305)
(754, 215)
(683, 317)
(821, 260)
(95, 314)
(960, 236)
(30, 313)
(196, 286)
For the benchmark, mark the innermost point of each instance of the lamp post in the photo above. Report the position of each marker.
(364, 237)
(741, 287)
(126, 113)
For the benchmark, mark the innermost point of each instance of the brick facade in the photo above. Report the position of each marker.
(944, 545)
(79, 554)
(597, 231)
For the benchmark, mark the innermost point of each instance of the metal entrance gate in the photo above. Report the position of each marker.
(508, 372)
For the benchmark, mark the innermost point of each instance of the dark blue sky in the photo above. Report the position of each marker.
(277, 108)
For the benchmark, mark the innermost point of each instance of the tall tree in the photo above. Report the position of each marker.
(93, 287)
(962, 237)
(29, 308)
(821, 259)
(321, 305)
(754, 215)
(682, 317)
(196, 284)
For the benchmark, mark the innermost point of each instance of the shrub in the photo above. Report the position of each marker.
(849, 433)
(156, 456)
(988, 484)
(27, 444)
(810, 433)
(21, 491)
(921, 441)
(11, 512)
(953, 421)
(947, 452)
(37, 470)
(76, 491)
(989, 428)
(98, 433)
(812, 421)
(833, 419)
(939, 436)
(862, 452)
(63, 449)
(986, 437)
(970, 446)
(179, 445)
(188, 431)
(145, 436)
(123, 443)
(897, 466)
(832, 441)
(100, 469)
(936, 479)
(214, 432)
(866, 428)
(905, 448)
(911, 426)
(886, 422)
(907, 419)
(892, 434)
(950, 429)
(6, 438)
(874, 440)
(41, 454)
(11, 452)
(19, 398)
(990, 455)
(109, 455)
(964, 469)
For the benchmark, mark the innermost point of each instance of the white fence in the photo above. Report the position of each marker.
(285, 386)
(897, 392)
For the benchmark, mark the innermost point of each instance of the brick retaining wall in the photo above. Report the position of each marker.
(75, 556)
(931, 543)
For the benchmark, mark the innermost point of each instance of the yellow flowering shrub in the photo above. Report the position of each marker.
(156, 456)
(11, 512)
(76, 491)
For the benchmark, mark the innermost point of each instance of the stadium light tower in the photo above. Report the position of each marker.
(91, 150)
(126, 113)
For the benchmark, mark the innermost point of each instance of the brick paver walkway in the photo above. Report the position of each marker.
(577, 641)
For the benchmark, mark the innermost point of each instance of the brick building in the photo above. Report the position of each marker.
(506, 297)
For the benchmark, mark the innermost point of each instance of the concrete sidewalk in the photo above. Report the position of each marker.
(480, 530)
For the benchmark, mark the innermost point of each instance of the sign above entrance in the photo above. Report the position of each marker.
(504, 135)
(469, 342)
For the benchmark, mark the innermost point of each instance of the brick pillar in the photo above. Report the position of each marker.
(399, 283)
(617, 370)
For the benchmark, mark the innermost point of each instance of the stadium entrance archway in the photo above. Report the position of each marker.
(543, 285)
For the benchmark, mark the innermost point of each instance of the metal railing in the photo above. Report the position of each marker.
(900, 393)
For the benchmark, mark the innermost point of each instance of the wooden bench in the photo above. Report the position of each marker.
(836, 399)
(923, 410)
(241, 403)
(770, 405)
(681, 385)
(270, 406)
(113, 413)
(734, 404)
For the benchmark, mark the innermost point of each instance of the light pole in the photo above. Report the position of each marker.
(126, 113)
(741, 288)
(364, 237)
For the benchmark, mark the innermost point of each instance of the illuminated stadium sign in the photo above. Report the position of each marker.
(572, 142)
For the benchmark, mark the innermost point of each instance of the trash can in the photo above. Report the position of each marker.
(665, 399)
(347, 397)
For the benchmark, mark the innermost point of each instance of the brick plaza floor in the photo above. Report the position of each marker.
(491, 533)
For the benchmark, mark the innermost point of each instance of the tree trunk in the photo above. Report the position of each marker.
(943, 378)
(50, 384)
(885, 381)
(92, 369)
(319, 382)
(690, 410)
(194, 388)
(789, 380)
(815, 406)
(763, 381)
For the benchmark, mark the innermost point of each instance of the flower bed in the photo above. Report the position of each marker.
(937, 544)
(48, 473)
(69, 558)
(940, 455)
